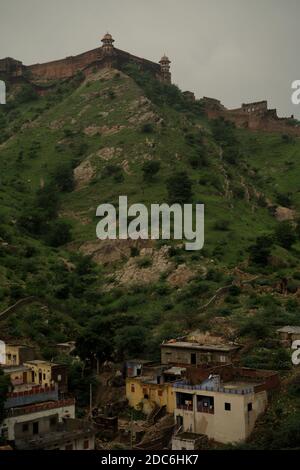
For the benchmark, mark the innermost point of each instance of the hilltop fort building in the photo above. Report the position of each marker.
(104, 56)
(253, 116)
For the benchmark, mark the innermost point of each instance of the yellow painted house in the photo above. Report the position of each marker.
(144, 392)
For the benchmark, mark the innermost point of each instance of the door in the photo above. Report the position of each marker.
(193, 359)
(35, 428)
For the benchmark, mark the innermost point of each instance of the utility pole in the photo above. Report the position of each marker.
(91, 399)
(131, 430)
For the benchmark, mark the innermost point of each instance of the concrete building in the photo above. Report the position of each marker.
(185, 352)
(38, 413)
(148, 392)
(46, 373)
(16, 355)
(134, 367)
(66, 348)
(69, 434)
(30, 396)
(189, 441)
(222, 403)
(289, 334)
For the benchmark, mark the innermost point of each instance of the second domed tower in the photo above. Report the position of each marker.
(165, 69)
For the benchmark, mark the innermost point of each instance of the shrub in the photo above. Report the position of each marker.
(64, 178)
(26, 94)
(261, 250)
(144, 262)
(285, 234)
(59, 233)
(150, 169)
(179, 188)
(255, 328)
(147, 128)
(222, 225)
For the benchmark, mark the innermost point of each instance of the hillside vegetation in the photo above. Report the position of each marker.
(86, 142)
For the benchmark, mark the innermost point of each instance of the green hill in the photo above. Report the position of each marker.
(86, 142)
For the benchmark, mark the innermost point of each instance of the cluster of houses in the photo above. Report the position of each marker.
(208, 395)
(39, 411)
(197, 382)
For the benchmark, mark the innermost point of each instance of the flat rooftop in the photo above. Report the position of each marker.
(289, 329)
(40, 361)
(12, 369)
(239, 384)
(201, 347)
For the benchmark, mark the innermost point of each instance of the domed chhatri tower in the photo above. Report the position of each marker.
(108, 43)
(165, 69)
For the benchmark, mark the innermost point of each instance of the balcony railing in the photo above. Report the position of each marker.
(184, 407)
(28, 397)
(40, 407)
(205, 409)
(235, 391)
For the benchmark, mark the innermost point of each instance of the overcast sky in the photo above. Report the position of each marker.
(233, 50)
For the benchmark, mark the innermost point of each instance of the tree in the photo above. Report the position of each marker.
(150, 169)
(130, 340)
(26, 94)
(64, 178)
(94, 344)
(59, 233)
(47, 199)
(261, 250)
(223, 132)
(297, 229)
(285, 234)
(179, 188)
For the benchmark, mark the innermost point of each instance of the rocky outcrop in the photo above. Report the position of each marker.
(284, 213)
(83, 174)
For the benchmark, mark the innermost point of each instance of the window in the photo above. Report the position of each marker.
(184, 401)
(250, 407)
(160, 393)
(227, 406)
(86, 444)
(69, 447)
(205, 404)
(44, 376)
(25, 427)
(59, 378)
(132, 388)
